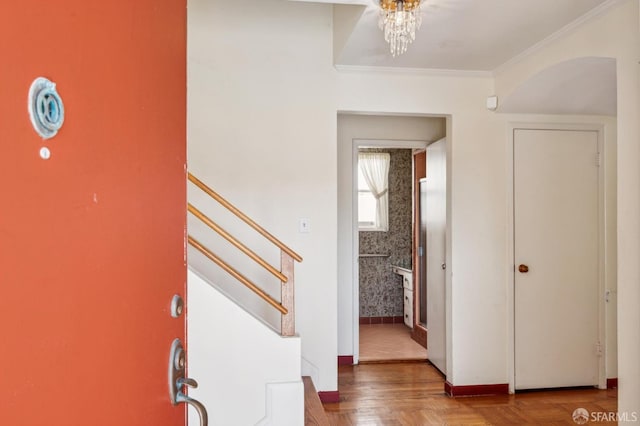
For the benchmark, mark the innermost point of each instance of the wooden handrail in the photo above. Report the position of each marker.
(243, 217)
(237, 275)
(246, 250)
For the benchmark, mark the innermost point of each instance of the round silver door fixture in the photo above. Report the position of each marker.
(45, 154)
(177, 306)
(46, 109)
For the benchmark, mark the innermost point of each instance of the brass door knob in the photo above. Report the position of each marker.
(523, 268)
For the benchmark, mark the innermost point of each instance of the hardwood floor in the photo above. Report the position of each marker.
(314, 414)
(412, 394)
(388, 342)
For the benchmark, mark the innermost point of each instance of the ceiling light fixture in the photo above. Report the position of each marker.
(399, 19)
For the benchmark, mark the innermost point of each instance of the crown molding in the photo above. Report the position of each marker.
(356, 2)
(427, 72)
(562, 32)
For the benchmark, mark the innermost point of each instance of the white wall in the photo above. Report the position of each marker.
(263, 102)
(239, 383)
(261, 131)
(479, 262)
(614, 34)
(352, 127)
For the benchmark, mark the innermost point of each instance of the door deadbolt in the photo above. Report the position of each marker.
(177, 306)
(523, 269)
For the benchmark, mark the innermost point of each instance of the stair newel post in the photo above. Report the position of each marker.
(287, 295)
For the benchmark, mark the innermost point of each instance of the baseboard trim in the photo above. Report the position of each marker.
(476, 390)
(612, 383)
(345, 359)
(329, 397)
(382, 320)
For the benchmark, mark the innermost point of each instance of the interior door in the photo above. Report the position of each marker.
(419, 240)
(419, 252)
(92, 245)
(556, 258)
(436, 220)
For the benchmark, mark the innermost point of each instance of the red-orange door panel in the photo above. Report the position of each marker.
(92, 239)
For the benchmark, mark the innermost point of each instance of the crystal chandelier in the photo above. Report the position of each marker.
(399, 19)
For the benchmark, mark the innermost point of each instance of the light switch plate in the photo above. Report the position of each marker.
(304, 225)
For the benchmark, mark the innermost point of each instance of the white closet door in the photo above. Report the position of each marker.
(556, 258)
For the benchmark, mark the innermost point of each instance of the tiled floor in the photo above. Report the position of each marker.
(388, 342)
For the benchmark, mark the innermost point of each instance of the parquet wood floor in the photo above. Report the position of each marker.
(412, 394)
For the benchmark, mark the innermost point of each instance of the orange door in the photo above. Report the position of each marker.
(92, 239)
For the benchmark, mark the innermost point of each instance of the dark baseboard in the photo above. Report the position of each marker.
(497, 389)
(382, 320)
(329, 397)
(345, 359)
(476, 390)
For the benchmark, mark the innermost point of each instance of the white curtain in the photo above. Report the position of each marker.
(375, 169)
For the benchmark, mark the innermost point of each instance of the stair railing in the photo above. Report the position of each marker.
(287, 257)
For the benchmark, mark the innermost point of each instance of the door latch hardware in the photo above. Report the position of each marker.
(178, 381)
(523, 269)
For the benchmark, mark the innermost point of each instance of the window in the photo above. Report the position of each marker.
(373, 192)
(366, 204)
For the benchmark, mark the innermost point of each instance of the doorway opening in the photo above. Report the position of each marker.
(401, 261)
(384, 187)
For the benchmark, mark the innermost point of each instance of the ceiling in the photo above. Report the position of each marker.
(480, 37)
(464, 35)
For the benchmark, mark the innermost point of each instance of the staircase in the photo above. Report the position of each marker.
(248, 364)
(314, 414)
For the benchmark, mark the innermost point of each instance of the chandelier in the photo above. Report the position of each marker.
(399, 19)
